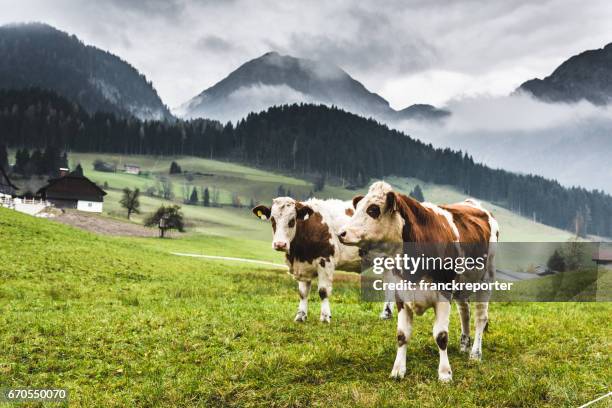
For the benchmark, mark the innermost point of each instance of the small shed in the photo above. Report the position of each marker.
(6, 187)
(603, 257)
(131, 169)
(73, 191)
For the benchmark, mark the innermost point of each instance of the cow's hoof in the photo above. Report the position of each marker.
(398, 372)
(300, 317)
(325, 318)
(465, 343)
(475, 355)
(385, 315)
(445, 377)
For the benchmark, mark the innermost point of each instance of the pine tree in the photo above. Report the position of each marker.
(206, 198)
(36, 164)
(78, 170)
(417, 193)
(22, 162)
(193, 199)
(175, 168)
(556, 262)
(319, 183)
(4, 158)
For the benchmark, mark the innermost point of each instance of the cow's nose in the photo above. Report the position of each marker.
(279, 246)
(342, 234)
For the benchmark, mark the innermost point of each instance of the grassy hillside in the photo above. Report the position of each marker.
(120, 323)
(262, 186)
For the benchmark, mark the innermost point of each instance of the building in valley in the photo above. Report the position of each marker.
(73, 191)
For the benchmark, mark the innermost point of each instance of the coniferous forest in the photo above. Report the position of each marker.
(297, 139)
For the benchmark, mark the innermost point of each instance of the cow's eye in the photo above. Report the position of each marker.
(373, 211)
(292, 223)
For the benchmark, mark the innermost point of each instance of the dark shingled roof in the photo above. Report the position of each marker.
(72, 187)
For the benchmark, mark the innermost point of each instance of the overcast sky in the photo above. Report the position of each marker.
(408, 52)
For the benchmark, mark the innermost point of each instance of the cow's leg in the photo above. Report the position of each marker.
(481, 319)
(463, 306)
(404, 330)
(304, 291)
(387, 311)
(325, 274)
(440, 334)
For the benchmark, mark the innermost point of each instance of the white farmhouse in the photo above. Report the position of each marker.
(73, 191)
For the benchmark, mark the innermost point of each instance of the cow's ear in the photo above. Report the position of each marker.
(303, 211)
(261, 211)
(391, 203)
(356, 200)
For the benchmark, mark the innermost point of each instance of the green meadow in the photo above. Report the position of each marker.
(121, 322)
(261, 186)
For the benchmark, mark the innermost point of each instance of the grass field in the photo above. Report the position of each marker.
(120, 322)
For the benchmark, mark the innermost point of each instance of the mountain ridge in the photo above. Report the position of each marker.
(587, 75)
(275, 79)
(40, 55)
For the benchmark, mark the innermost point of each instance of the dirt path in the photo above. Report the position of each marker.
(229, 258)
(104, 225)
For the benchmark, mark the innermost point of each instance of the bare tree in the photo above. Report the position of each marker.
(130, 201)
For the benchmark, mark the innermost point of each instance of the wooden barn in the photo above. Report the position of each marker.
(73, 191)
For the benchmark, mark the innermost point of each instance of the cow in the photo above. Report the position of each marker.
(388, 217)
(307, 232)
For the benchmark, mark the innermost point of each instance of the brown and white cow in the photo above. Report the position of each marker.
(387, 217)
(308, 234)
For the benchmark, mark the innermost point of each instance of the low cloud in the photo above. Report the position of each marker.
(241, 102)
(566, 142)
(519, 112)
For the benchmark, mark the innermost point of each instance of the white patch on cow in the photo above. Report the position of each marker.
(447, 215)
(304, 290)
(404, 328)
(387, 227)
(480, 322)
(493, 225)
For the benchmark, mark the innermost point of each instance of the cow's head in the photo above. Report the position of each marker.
(284, 216)
(376, 218)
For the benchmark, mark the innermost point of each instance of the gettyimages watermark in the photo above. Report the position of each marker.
(572, 271)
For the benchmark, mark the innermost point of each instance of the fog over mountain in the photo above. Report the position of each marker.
(275, 79)
(38, 55)
(571, 143)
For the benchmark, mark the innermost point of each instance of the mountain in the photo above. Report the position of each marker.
(275, 79)
(421, 111)
(38, 55)
(587, 75)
